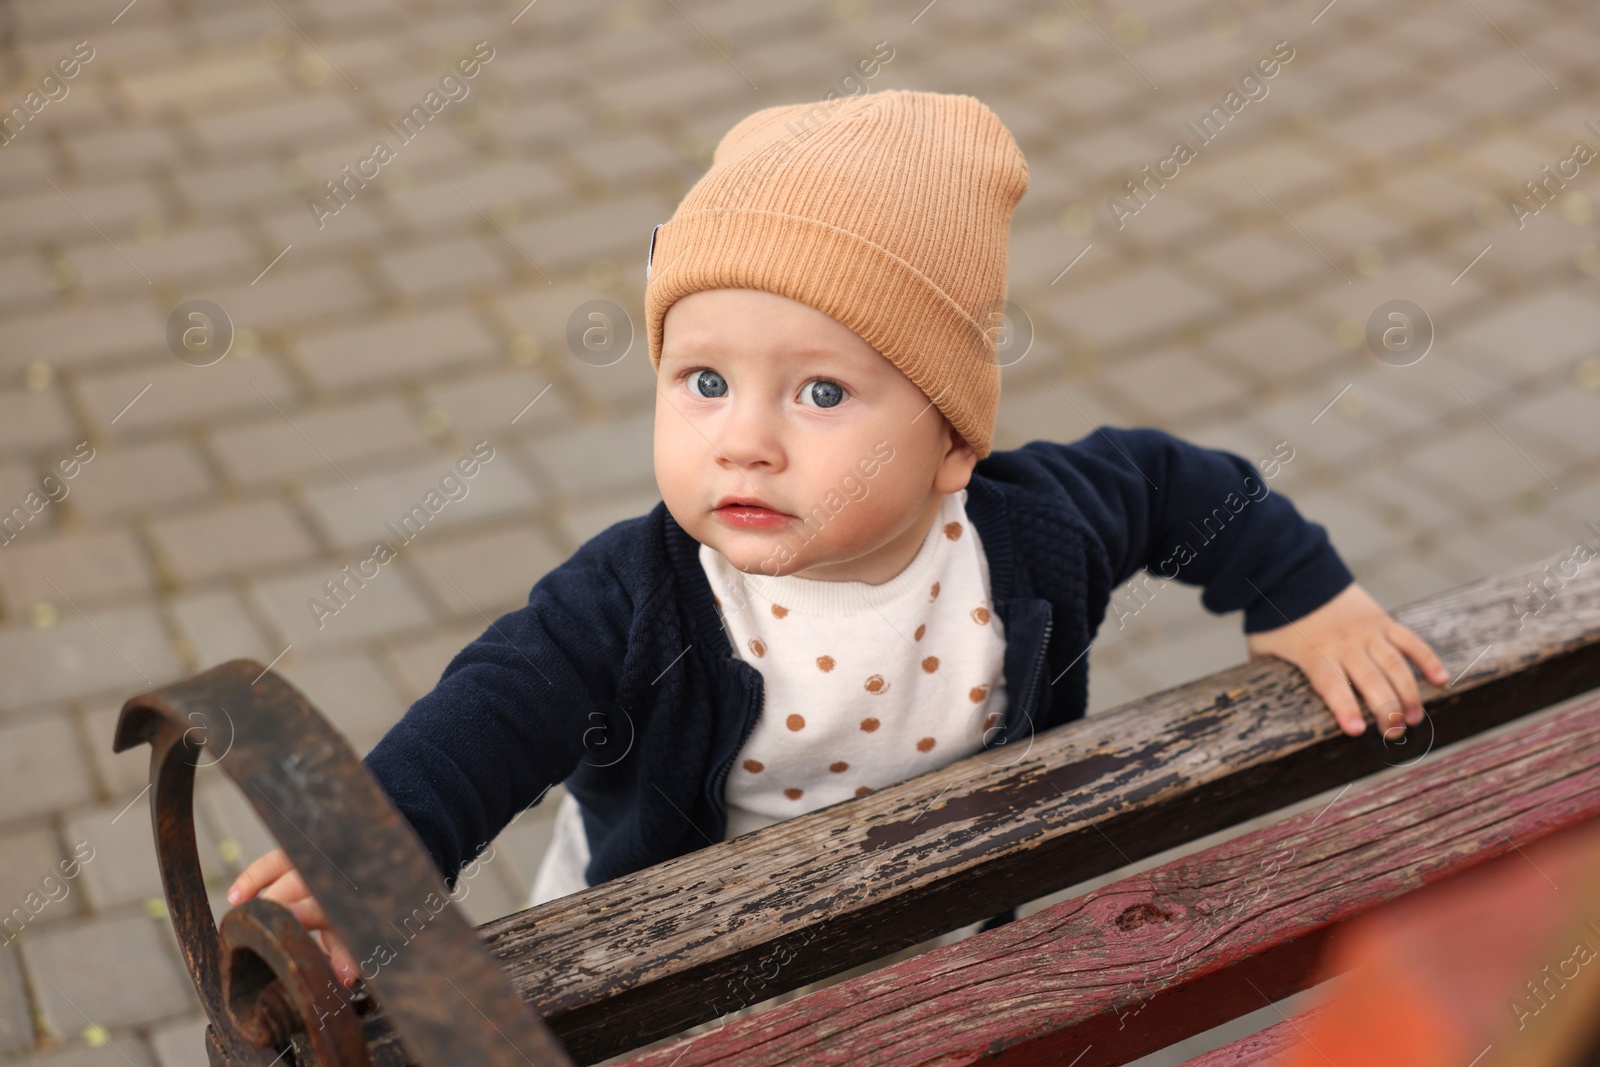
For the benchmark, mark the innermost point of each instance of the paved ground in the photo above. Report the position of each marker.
(1230, 306)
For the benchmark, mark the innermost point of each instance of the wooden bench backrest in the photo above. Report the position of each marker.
(1132, 967)
(853, 882)
(644, 956)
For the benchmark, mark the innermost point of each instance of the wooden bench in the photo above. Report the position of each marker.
(1104, 977)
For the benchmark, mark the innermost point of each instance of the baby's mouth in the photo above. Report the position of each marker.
(751, 516)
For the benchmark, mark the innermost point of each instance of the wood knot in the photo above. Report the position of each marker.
(1137, 915)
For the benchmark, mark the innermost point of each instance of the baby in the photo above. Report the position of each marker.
(843, 586)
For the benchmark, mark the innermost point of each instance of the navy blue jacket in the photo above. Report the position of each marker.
(618, 679)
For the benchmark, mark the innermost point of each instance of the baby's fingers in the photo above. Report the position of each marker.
(262, 872)
(1398, 673)
(344, 961)
(1331, 684)
(1421, 653)
(1378, 690)
(303, 906)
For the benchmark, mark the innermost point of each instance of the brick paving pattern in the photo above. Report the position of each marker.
(1228, 302)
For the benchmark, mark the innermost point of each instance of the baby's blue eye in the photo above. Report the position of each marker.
(717, 385)
(827, 394)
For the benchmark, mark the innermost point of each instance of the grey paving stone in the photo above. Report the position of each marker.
(116, 844)
(1276, 345)
(396, 347)
(113, 208)
(319, 442)
(75, 569)
(35, 418)
(240, 834)
(352, 692)
(176, 257)
(32, 864)
(487, 896)
(599, 457)
(584, 521)
(503, 403)
(297, 122)
(16, 1021)
(1259, 261)
(435, 270)
(618, 227)
(179, 394)
(41, 767)
(1484, 468)
(1156, 297)
(1548, 330)
(121, 649)
(287, 295)
(417, 663)
(107, 332)
(121, 774)
(1041, 413)
(358, 516)
(231, 539)
(521, 845)
(121, 1049)
(487, 572)
(499, 193)
(107, 972)
(181, 1044)
(368, 608)
(219, 627)
(138, 479)
(1172, 382)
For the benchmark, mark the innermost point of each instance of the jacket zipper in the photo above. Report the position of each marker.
(1033, 683)
(719, 802)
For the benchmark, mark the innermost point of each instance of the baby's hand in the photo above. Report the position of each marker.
(277, 880)
(1352, 637)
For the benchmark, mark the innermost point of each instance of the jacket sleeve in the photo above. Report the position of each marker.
(1200, 516)
(510, 714)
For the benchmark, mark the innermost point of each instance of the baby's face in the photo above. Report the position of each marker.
(762, 398)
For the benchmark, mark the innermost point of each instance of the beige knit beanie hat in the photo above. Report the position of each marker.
(888, 211)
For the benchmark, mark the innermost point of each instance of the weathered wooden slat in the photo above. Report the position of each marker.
(1130, 968)
(671, 946)
(1266, 1048)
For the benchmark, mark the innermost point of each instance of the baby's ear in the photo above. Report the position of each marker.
(956, 439)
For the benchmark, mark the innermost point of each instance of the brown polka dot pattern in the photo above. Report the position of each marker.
(801, 638)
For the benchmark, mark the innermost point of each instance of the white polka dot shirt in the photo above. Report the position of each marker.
(864, 685)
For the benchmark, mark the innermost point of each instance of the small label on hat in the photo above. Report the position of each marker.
(651, 255)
